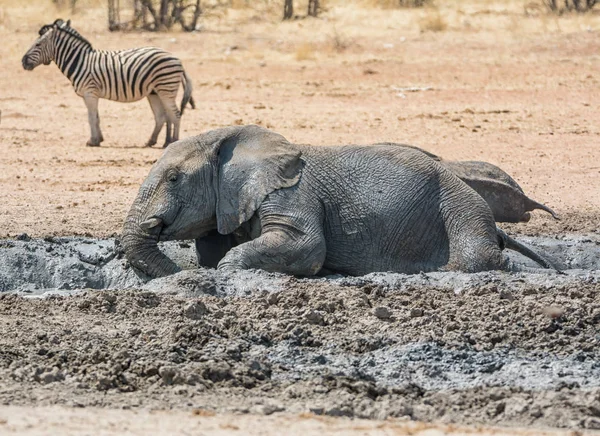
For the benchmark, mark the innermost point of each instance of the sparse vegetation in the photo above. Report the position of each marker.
(391, 4)
(560, 6)
(339, 42)
(155, 15)
(305, 52)
(433, 21)
(288, 9)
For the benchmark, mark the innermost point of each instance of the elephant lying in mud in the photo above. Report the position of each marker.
(251, 199)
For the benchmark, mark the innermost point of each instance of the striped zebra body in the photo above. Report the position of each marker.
(127, 75)
(123, 76)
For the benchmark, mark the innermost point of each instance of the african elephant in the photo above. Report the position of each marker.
(251, 199)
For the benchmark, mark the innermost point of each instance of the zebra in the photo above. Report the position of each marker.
(124, 76)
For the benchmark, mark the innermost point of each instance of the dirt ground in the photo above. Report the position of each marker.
(500, 82)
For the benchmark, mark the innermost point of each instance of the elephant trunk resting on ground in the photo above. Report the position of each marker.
(253, 200)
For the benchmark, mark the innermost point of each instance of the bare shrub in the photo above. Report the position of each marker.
(313, 10)
(394, 4)
(339, 42)
(433, 21)
(561, 6)
(305, 52)
(288, 9)
(155, 15)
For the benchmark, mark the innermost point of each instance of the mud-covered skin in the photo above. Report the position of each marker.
(500, 191)
(347, 209)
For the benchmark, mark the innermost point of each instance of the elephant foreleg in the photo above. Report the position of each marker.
(277, 250)
(211, 248)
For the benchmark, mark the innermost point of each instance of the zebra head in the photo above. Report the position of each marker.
(42, 50)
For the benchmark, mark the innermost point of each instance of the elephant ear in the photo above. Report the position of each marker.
(252, 163)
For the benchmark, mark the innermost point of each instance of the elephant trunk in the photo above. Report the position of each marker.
(141, 246)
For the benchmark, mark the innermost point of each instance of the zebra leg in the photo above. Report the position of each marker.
(91, 102)
(159, 117)
(173, 117)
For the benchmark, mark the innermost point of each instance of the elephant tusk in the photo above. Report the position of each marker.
(151, 223)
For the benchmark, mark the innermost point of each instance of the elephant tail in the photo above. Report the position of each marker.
(508, 242)
(532, 205)
(187, 93)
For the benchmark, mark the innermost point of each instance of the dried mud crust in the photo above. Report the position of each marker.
(523, 356)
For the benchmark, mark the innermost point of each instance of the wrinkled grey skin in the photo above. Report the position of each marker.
(253, 200)
(505, 197)
(501, 192)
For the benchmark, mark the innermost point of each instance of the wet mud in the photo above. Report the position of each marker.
(82, 329)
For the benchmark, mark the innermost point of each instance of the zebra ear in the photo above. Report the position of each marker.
(68, 23)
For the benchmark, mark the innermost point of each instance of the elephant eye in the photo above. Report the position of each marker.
(172, 176)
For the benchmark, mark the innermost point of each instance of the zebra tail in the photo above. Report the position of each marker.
(187, 93)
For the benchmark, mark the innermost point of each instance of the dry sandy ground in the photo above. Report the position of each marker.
(519, 91)
(502, 90)
(68, 422)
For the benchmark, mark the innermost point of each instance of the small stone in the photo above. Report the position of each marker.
(195, 310)
(110, 297)
(382, 312)
(553, 312)
(451, 326)
(592, 423)
(169, 374)
(266, 409)
(506, 295)
(273, 298)
(416, 312)
(315, 317)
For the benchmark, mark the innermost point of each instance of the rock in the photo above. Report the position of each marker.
(169, 374)
(266, 409)
(553, 312)
(382, 312)
(195, 310)
(416, 312)
(315, 317)
(592, 424)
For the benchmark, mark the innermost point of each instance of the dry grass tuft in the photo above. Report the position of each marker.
(339, 42)
(305, 52)
(433, 21)
(394, 4)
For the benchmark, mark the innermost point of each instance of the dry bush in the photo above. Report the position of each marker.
(394, 4)
(154, 15)
(433, 21)
(561, 6)
(305, 52)
(339, 42)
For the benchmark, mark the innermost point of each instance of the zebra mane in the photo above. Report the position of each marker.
(65, 27)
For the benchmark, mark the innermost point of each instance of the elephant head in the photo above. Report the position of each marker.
(216, 180)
